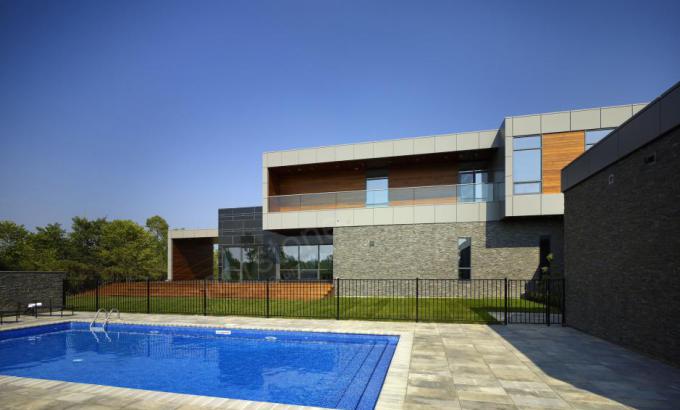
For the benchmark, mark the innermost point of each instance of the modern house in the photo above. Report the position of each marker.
(482, 204)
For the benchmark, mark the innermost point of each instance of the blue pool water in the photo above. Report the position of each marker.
(342, 371)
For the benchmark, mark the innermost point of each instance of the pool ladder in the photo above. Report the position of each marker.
(102, 327)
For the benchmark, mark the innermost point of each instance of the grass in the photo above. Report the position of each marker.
(365, 308)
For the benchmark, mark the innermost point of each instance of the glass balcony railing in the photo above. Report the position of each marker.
(424, 195)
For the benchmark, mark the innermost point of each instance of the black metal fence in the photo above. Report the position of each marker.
(433, 300)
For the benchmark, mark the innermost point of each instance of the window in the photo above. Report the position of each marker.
(249, 263)
(526, 164)
(473, 186)
(594, 136)
(544, 257)
(289, 257)
(306, 262)
(231, 264)
(464, 258)
(377, 192)
(309, 262)
(326, 262)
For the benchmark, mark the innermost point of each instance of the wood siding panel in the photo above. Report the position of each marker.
(427, 174)
(320, 181)
(559, 149)
(192, 259)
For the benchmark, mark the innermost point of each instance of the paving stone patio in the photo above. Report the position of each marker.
(438, 366)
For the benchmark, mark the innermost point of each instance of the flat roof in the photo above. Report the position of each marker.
(655, 120)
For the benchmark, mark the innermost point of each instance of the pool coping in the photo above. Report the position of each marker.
(392, 394)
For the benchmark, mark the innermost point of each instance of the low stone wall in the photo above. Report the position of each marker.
(28, 287)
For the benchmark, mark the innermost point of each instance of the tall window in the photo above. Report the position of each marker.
(309, 262)
(377, 192)
(325, 262)
(473, 186)
(526, 164)
(289, 260)
(544, 251)
(464, 257)
(231, 264)
(594, 136)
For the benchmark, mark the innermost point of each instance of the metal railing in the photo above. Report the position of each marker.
(423, 195)
(435, 300)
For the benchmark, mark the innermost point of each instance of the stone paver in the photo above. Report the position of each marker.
(436, 366)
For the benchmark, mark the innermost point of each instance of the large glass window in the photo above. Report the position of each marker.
(289, 257)
(309, 262)
(306, 262)
(249, 265)
(464, 257)
(594, 136)
(231, 264)
(526, 164)
(377, 192)
(267, 263)
(473, 186)
(326, 262)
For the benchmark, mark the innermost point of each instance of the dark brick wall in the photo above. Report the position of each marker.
(27, 287)
(622, 251)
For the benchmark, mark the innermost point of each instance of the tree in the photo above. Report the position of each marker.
(129, 251)
(50, 246)
(159, 229)
(15, 248)
(94, 249)
(85, 238)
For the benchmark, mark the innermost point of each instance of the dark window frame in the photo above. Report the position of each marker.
(464, 272)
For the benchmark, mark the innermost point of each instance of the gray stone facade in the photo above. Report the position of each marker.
(622, 253)
(28, 287)
(500, 249)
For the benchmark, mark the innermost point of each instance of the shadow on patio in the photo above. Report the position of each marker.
(590, 372)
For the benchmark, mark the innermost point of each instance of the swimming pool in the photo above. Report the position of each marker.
(344, 371)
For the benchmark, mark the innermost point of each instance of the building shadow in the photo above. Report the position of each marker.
(577, 365)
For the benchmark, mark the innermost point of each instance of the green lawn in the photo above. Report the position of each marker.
(367, 308)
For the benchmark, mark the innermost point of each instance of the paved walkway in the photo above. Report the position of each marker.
(439, 366)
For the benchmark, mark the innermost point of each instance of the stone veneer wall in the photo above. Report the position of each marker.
(500, 249)
(27, 287)
(622, 253)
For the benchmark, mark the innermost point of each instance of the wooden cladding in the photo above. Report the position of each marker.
(328, 179)
(321, 180)
(426, 174)
(192, 258)
(559, 149)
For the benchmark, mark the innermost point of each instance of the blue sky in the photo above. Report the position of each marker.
(128, 109)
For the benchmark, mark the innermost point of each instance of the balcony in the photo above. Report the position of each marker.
(424, 195)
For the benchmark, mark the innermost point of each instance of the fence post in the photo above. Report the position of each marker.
(337, 299)
(63, 293)
(148, 295)
(417, 297)
(564, 302)
(205, 297)
(547, 302)
(505, 302)
(96, 298)
(267, 302)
